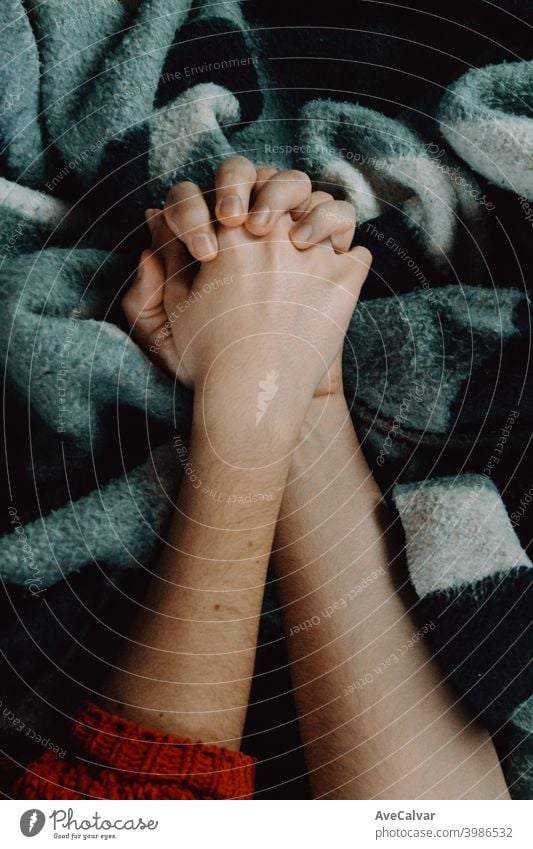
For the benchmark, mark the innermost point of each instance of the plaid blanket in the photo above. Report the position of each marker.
(103, 109)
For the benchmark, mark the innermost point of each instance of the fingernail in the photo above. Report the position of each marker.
(261, 214)
(302, 234)
(202, 245)
(230, 206)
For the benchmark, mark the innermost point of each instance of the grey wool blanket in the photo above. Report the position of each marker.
(102, 110)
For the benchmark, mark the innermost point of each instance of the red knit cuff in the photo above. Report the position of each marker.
(112, 741)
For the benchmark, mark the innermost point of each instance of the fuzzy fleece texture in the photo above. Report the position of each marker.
(105, 109)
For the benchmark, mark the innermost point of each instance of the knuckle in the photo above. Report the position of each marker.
(346, 209)
(264, 174)
(340, 242)
(180, 191)
(295, 176)
(321, 197)
(366, 255)
(237, 161)
(235, 166)
(187, 187)
(338, 215)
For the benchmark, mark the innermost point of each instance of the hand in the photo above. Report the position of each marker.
(255, 199)
(172, 269)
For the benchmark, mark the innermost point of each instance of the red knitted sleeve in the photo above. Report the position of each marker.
(112, 758)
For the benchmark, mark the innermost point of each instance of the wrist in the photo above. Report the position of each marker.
(324, 415)
(231, 433)
(251, 412)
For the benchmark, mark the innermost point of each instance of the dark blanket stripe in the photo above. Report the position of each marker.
(483, 639)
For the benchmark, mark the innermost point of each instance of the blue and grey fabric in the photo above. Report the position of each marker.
(103, 109)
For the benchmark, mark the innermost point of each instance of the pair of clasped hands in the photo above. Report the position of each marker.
(254, 277)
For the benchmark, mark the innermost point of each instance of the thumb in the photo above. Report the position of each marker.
(143, 302)
(144, 308)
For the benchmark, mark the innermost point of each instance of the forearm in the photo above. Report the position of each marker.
(188, 665)
(396, 733)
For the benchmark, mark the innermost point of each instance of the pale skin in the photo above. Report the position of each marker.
(187, 667)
